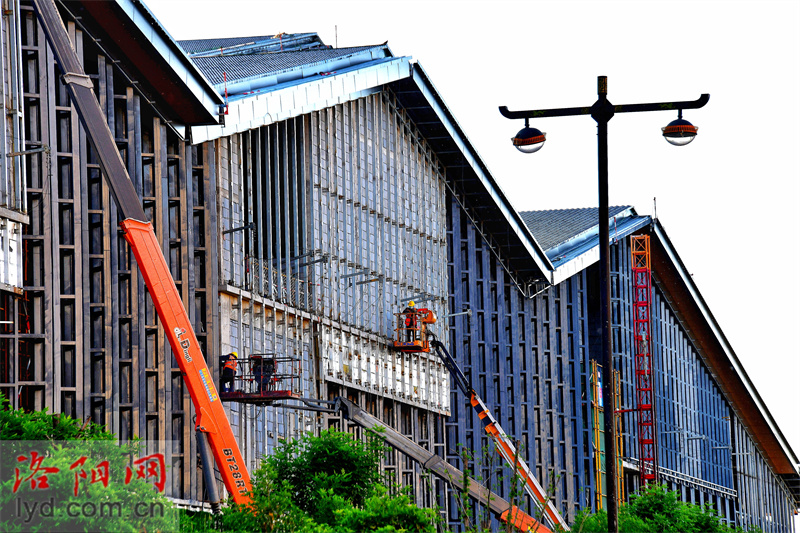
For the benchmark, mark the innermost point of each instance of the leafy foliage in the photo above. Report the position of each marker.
(385, 513)
(331, 483)
(334, 462)
(16, 424)
(657, 510)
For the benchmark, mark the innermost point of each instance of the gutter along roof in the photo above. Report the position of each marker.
(571, 237)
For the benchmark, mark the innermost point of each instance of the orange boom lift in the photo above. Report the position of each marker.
(503, 444)
(212, 422)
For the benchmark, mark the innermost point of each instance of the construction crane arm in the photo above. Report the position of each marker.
(503, 444)
(211, 418)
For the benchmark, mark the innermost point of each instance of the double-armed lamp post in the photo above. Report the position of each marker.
(679, 132)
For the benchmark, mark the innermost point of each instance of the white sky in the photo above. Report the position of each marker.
(729, 201)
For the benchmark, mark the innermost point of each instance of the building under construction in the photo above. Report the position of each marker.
(303, 195)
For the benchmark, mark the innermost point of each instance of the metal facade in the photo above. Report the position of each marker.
(13, 202)
(344, 206)
(302, 236)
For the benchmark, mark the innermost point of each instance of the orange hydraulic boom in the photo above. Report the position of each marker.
(211, 418)
(503, 444)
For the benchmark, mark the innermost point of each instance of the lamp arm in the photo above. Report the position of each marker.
(663, 106)
(541, 113)
(626, 108)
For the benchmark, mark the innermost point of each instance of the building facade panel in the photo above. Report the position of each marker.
(303, 238)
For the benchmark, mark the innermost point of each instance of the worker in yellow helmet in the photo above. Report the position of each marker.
(229, 363)
(410, 313)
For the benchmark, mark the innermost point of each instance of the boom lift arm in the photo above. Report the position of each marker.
(211, 418)
(430, 461)
(503, 444)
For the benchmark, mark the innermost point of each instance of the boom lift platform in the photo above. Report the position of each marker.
(262, 379)
(411, 333)
(503, 444)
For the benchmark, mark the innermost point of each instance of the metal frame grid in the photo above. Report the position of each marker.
(86, 341)
(528, 358)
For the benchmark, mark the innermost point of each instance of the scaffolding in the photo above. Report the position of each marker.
(645, 411)
(618, 436)
(598, 433)
(597, 436)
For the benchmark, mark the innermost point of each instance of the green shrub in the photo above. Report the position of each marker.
(331, 483)
(656, 510)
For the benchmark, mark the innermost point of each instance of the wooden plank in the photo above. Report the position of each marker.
(258, 218)
(192, 482)
(191, 485)
(267, 134)
(305, 185)
(279, 175)
(212, 282)
(161, 228)
(108, 227)
(296, 210)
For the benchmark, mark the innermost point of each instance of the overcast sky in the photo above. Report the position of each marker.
(728, 201)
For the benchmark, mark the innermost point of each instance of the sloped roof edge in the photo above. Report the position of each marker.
(584, 250)
(526, 238)
(747, 405)
(787, 464)
(172, 53)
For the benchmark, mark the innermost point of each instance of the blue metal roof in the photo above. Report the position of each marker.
(243, 67)
(556, 226)
(299, 80)
(571, 236)
(284, 42)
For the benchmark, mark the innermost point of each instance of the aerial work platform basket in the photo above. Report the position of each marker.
(259, 379)
(411, 333)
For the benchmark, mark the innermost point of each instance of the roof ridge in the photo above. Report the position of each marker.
(621, 206)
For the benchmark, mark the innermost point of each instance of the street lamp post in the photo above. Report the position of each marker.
(679, 132)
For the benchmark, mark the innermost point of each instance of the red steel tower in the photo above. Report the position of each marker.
(645, 397)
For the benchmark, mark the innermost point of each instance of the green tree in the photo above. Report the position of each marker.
(16, 424)
(334, 461)
(657, 510)
(325, 484)
(384, 513)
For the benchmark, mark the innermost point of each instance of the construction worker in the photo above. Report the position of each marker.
(269, 371)
(410, 313)
(228, 363)
(263, 370)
